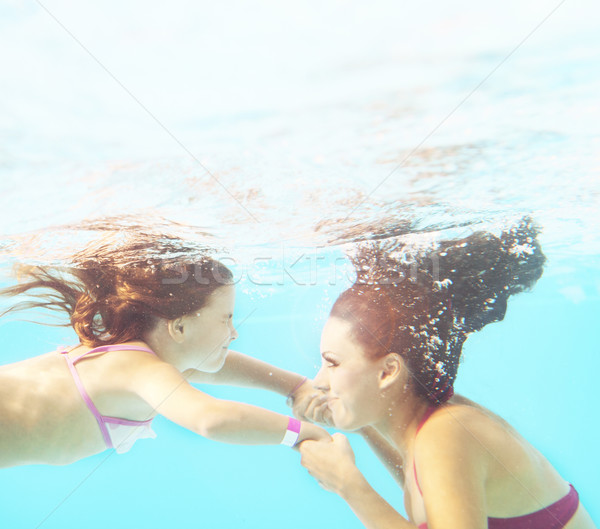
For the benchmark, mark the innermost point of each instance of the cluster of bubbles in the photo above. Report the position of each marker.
(435, 293)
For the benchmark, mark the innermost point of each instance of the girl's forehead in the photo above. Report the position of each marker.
(224, 294)
(222, 299)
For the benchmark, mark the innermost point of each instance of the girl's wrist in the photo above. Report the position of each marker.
(292, 434)
(310, 431)
(296, 387)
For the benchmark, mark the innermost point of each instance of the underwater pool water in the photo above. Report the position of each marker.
(283, 134)
(537, 369)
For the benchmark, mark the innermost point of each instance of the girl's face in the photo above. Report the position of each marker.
(210, 330)
(349, 378)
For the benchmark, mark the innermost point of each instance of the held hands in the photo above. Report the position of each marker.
(329, 460)
(310, 404)
(312, 432)
(331, 463)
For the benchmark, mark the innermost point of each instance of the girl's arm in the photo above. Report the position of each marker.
(166, 391)
(246, 371)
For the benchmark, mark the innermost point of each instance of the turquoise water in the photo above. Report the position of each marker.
(537, 369)
(285, 133)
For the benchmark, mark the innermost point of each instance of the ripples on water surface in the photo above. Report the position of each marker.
(266, 126)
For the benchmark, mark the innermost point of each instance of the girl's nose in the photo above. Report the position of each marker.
(234, 334)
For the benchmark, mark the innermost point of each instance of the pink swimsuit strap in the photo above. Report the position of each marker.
(555, 516)
(113, 347)
(103, 419)
(428, 413)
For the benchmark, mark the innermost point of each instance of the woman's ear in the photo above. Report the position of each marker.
(176, 329)
(391, 369)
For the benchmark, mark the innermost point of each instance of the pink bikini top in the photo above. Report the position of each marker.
(120, 434)
(555, 516)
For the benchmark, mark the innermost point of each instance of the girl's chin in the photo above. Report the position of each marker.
(216, 363)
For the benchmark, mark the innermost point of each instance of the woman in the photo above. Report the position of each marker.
(390, 351)
(147, 328)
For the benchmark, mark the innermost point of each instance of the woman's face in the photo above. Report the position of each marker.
(210, 330)
(349, 378)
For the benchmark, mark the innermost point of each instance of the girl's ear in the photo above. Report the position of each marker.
(176, 329)
(391, 369)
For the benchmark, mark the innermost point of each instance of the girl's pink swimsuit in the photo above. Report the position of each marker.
(120, 434)
(555, 516)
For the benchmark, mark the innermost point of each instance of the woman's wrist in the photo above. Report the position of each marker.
(353, 484)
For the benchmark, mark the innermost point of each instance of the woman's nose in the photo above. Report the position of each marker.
(321, 381)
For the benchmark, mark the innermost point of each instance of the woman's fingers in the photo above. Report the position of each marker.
(328, 461)
(343, 445)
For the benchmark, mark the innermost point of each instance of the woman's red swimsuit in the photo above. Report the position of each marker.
(555, 516)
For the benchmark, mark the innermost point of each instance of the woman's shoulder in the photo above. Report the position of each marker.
(463, 427)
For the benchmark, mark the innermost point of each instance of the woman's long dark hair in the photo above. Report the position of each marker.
(423, 304)
(110, 303)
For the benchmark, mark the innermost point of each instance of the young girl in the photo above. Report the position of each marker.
(391, 350)
(146, 331)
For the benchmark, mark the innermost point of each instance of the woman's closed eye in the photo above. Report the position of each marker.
(330, 362)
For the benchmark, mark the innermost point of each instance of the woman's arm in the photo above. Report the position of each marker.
(452, 465)
(246, 371)
(332, 464)
(169, 394)
(386, 453)
(452, 470)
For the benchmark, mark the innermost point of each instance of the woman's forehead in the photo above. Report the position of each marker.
(337, 338)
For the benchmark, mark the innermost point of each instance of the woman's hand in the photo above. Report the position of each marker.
(331, 463)
(310, 404)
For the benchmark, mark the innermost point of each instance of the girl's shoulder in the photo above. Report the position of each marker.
(116, 366)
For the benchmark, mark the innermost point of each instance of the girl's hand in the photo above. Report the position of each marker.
(331, 463)
(310, 404)
(312, 432)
